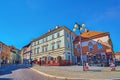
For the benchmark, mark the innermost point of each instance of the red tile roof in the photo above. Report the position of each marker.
(90, 34)
(117, 53)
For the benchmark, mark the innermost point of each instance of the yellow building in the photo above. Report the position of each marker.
(14, 55)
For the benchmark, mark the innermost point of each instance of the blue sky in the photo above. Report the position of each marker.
(23, 20)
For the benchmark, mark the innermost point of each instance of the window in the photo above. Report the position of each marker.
(90, 45)
(68, 45)
(67, 34)
(46, 48)
(46, 38)
(58, 34)
(78, 50)
(53, 46)
(4, 49)
(32, 51)
(42, 40)
(72, 38)
(37, 42)
(53, 36)
(34, 43)
(99, 46)
(38, 50)
(76, 45)
(58, 44)
(69, 57)
(42, 48)
(0, 49)
(35, 51)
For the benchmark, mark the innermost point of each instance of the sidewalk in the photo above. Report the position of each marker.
(3, 66)
(75, 72)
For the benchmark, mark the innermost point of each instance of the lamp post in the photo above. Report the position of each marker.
(0, 56)
(80, 28)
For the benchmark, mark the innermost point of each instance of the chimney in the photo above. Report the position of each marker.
(49, 30)
(86, 30)
(57, 27)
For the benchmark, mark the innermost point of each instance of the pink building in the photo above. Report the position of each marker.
(96, 48)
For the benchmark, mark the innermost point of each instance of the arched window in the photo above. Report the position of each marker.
(99, 46)
(90, 45)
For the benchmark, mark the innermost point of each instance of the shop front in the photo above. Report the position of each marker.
(98, 59)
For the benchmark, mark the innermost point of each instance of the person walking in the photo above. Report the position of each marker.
(31, 63)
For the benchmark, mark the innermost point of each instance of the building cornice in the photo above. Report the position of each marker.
(52, 32)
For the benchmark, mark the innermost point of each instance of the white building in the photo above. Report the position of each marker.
(54, 45)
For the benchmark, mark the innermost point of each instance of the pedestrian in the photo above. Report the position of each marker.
(84, 64)
(31, 63)
(110, 61)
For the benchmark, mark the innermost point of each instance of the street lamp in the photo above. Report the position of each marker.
(0, 56)
(80, 28)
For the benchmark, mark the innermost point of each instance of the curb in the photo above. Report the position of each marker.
(66, 78)
(48, 75)
(57, 77)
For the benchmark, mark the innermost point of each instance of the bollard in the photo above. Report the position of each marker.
(86, 68)
(112, 66)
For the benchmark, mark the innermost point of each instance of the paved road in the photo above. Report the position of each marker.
(20, 72)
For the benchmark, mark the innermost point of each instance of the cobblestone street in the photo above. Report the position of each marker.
(75, 72)
(21, 72)
(25, 72)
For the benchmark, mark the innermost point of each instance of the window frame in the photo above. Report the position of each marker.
(99, 45)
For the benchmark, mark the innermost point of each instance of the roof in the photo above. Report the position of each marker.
(13, 47)
(117, 53)
(89, 34)
(3, 43)
(26, 45)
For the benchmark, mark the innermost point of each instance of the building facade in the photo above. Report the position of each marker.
(14, 55)
(27, 54)
(96, 48)
(117, 56)
(54, 47)
(4, 53)
(22, 55)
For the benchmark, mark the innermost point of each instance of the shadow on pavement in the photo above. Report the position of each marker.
(8, 69)
(6, 79)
